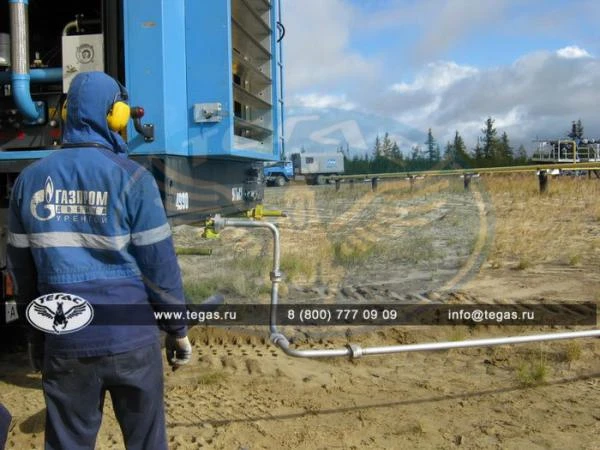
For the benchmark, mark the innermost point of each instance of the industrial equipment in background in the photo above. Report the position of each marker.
(204, 82)
(316, 167)
(557, 151)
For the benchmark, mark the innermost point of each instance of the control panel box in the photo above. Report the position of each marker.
(81, 53)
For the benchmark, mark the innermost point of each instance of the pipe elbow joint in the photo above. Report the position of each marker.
(22, 97)
(280, 340)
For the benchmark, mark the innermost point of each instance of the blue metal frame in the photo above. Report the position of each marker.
(209, 74)
(155, 73)
(278, 86)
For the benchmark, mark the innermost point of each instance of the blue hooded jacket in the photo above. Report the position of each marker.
(88, 221)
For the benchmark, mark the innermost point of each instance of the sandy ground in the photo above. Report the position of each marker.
(241, 392)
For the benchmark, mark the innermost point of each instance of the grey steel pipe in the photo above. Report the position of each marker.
(354, 350)
(73, 24)
(220, 222)
(19, 22)
(490, 342)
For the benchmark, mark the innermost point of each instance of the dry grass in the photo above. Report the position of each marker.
(333, 233)
(532, 373)
(527, 231)
(533, 368)
(572, 351)
(211, 378)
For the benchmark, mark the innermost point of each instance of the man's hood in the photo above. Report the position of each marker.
(89, 100)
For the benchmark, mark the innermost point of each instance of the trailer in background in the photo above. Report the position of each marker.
(316, 167)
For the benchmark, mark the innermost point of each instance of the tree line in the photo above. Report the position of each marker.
(491, 150)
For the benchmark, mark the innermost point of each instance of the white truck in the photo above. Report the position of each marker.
(316, 167)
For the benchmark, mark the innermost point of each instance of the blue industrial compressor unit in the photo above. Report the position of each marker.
(207, 75)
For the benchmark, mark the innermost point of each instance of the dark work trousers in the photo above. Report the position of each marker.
(74, 389)
(5, 419)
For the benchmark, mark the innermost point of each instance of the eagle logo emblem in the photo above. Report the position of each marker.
(59, 313)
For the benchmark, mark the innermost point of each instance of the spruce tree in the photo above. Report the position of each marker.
(433, 153)
(377, 147)
(386, 145)
(490, 141)
(460, 151)
(506, 152)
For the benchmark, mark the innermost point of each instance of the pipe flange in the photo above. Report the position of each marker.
(218, 222)
(355, 351)
(276, 276)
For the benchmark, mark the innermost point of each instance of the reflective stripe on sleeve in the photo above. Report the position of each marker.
(18, 240)
(151, 236)
(69, 239)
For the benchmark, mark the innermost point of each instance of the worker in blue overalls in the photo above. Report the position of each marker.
(5, 419)
(89, 223)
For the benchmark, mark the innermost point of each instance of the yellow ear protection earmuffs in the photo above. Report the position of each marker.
(118, 115)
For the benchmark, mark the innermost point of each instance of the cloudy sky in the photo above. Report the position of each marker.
(356, 68)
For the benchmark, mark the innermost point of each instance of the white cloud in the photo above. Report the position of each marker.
(538, 95)
(572, 52)
(317, 45)
(322, 101)
(436, 77)
(452, 20)
(511, 118)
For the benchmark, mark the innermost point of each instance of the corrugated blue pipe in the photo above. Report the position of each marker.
(22, 96)
(20, 59)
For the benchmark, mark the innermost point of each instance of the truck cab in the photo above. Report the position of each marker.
(279, 173)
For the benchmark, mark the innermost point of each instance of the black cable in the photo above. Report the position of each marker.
(281, 29)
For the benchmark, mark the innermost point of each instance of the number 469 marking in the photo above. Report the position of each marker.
(182, 201)
(237, 194)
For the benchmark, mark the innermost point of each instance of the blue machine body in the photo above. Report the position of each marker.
(180, 58)
(173, 84)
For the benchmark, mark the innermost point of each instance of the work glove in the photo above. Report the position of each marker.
(179, 351)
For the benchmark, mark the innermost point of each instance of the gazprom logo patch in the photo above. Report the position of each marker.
(68, 204)
(40, 205)
(59, 313)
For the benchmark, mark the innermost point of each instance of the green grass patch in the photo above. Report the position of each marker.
(523, 264)
(198, 291)
(204, 251)
(572, 351)
(533, 372)
(352, 254)
(296, 267)
(415, 249)
(253, 265)
(575, 259)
